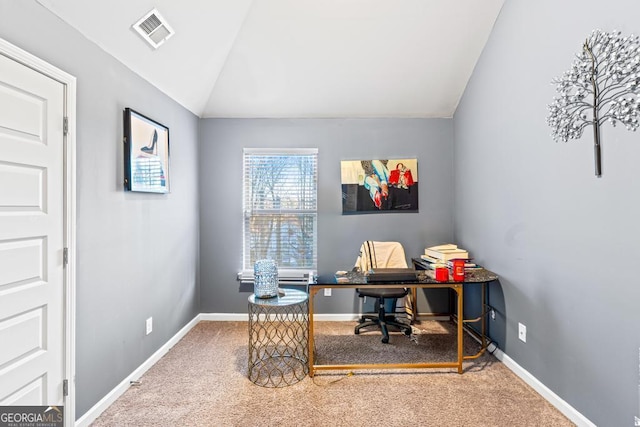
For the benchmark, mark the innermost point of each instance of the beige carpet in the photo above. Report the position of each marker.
(202, 381)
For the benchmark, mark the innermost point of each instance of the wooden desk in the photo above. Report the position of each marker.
(424, 280)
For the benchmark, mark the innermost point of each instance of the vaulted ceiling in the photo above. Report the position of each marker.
(298, 58)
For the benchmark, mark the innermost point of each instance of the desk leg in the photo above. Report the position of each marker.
(460, 322)
(312, 294)
(483, 322)
(414, 305)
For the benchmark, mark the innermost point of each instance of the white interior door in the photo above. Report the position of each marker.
(32, 347)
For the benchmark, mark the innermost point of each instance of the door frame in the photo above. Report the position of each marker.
(69, 214)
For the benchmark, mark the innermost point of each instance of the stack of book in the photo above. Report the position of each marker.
(444, 254)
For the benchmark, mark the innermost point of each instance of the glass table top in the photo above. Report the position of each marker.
(285, 297)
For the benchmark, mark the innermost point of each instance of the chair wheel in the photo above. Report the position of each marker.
(407, 332)
(385, 340)
(357, 331)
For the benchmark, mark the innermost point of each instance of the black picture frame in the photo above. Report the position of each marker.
(146, 153)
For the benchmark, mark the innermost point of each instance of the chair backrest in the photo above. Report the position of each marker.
(381, 255)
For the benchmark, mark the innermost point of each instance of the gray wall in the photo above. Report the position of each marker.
(137, 253)
(564, 242)
(340, 237)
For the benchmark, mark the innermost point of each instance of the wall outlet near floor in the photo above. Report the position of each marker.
(327, 292)
(149, 325)
(522, 332)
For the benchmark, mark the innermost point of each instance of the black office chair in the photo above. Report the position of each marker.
(382, 255)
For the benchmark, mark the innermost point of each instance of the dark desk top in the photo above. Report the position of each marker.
(475, 275)
(471, 275)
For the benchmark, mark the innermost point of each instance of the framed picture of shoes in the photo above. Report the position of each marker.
(146, 154)
(379, 186)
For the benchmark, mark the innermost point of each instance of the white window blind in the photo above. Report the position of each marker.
(280, 208)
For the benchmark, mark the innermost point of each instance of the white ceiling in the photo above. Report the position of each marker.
(298, 58)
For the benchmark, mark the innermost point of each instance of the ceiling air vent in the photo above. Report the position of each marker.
(153, 28)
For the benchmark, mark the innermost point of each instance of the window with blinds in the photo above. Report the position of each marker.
(280, 208)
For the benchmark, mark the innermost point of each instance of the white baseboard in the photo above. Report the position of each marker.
(224, 317)
(97, 409)
(568, 410)
(344, 317)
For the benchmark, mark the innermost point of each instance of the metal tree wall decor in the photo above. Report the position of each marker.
(602, 85)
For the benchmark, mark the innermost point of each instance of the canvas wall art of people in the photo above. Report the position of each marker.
(380, 185)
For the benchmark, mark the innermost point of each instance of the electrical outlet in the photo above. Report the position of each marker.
(522, 332)
(327, 292)
(149, 325)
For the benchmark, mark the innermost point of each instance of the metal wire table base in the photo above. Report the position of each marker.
(278, 339)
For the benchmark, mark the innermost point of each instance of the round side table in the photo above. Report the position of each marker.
(279, 338)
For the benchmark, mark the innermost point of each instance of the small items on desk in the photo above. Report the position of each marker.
(341, 277)
(458, 270)
(471, 275)
(442, 274)
(385, 275)
(448, 255)
(445, 253)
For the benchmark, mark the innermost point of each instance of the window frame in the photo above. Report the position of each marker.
(286, 274)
